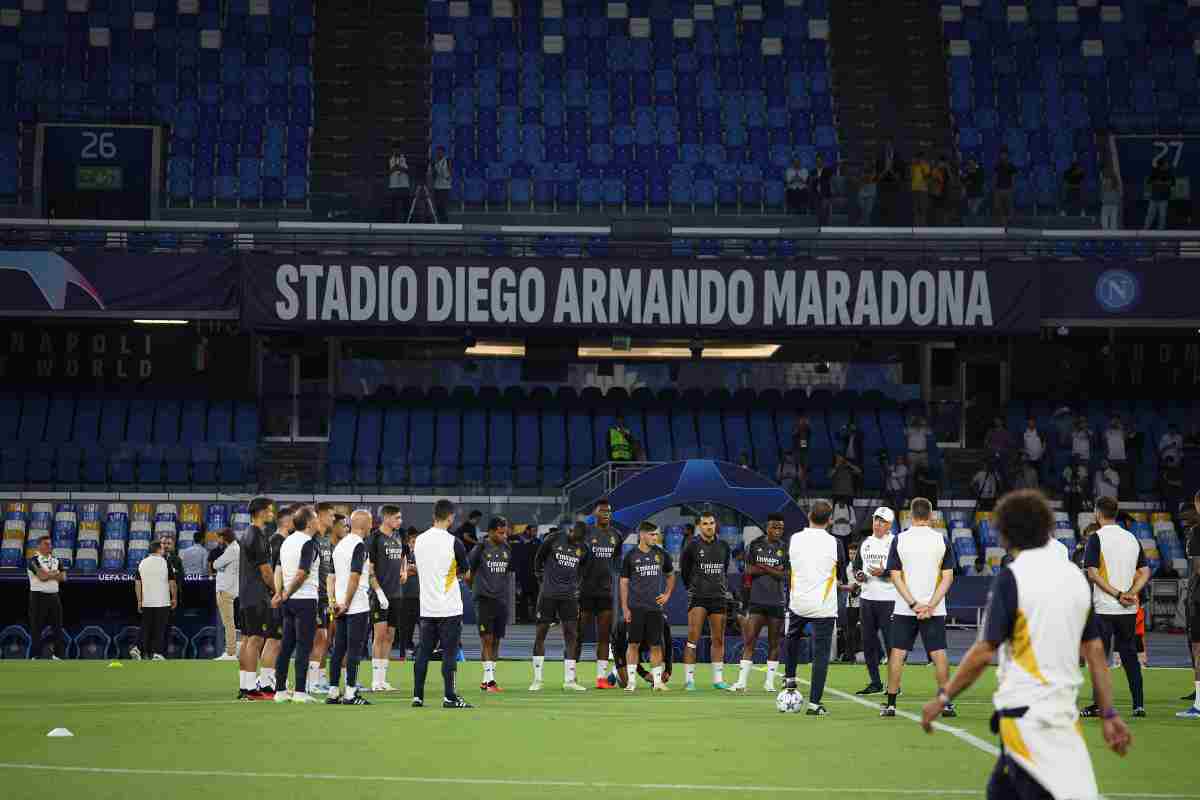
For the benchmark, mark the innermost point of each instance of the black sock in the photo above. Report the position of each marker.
(891, 700)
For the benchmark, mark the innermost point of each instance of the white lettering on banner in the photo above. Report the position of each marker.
(362, 293)
(636, 296)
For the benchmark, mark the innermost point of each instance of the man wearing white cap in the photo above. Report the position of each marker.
(878, 595)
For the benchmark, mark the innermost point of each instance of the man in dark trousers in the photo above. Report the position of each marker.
(156, 596)
(46, 575)
(299, 565)
(441, 561)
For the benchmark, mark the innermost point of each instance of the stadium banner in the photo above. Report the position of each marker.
(683, 297)
(116, 284)
(1164, 289)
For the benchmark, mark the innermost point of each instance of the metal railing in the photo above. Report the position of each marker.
(581, 494)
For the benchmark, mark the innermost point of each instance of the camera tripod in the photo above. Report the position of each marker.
(421, 195)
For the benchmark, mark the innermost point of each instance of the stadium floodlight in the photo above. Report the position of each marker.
(160, 322)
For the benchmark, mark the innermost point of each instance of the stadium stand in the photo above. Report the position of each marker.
(1039, 78)
(232, 81)
(621, 106)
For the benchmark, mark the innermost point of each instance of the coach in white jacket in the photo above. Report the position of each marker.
(225, 568)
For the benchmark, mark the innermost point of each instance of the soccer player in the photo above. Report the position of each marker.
(922, 569)
(878, 598)
(326, 539)
(1193, 612)
(560, 562)
(1037, 615)
(352, 610)
(46, 576)
(767, 566)
(647, 580)
(489, 562)
(299, 564)
(389, 565)
(255, 584)
(270, 655)
(1116, 566)
(596, 587)
(815, 559)
(441, 561)
(704, 568)
(620, 646)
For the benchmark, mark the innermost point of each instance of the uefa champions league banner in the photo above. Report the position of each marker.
(684, 297)
(115, 284)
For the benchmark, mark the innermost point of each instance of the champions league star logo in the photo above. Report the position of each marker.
(1117, 290)
(51, 273)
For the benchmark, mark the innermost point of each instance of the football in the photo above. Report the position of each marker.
(789, 701)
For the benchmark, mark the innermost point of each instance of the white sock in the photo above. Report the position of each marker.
(744, 668)
(334, 691)
(633, 676)
(656, 673)
(1196, 700)
(691, 672)
(569, 670)
(718, 672)
(772, 668)
(268, 677)
(246, 680)
(379, 670)
(314, 673)
(538, 663)
(602, 668)
(351, 691)
(489, 671)
(322, 675)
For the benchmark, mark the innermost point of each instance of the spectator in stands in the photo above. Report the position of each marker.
(1161, 181)
(1110, 200)
(897, 482)
(852, 443)
(889, 170)
(468, 532)
(822, 185)
(1033, 448)
(1075, 486)
(981, 569)
(919, 172)
(972, 180)
(1073, 190)
(868, 193)
(1170, 446)
(1081, 545)
(1117, 441)
(998, 439)
(1064, 423)
(1170, 482)
(1107, 481)
(1002, 192)
(986, 483)
(786, 474)
(399, 187)
(801, 434)
(1081, 439)
(844, 519)
(843, 479)
(441, 176)
(620, 441)
(917, 433)
(796, 179)
(195, 558)
(156, 594)
(939, 185)
(225, 568)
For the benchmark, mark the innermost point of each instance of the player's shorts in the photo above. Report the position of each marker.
(770, 612)
(557, 609)
(323, 616)
(276, 631)
(646, 626)
(491, 615)
(1121, 626)
(1040, 760)
(906, 628)
(390, 615)
(257, 620)
(711, 605)
(596, 604)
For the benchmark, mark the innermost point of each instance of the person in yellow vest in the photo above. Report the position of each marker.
(919, 173)
(620, 441)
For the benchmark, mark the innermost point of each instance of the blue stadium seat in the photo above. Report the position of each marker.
(367, 440)
(528, 447)
(421, 432)
(448, 455)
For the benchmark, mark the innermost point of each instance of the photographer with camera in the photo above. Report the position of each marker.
(399, 187)
(441, 175)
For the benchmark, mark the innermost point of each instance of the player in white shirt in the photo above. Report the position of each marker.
(922, 568)
(299, 563)
(816, 558)
(352, 610)
(1116, 566)
(1038, 614)
(878, 597)
(441, 560)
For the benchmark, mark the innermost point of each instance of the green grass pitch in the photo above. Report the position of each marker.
(172, 730)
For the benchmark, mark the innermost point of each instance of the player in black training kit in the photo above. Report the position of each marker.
(559, 563)
(596, 591)
(255, 589)
(620, 646)
(704, 567)
(647, 580)
(1193, 611)
(270, 654)
(327, 536)
(767, 566)
(490, 562)
(389, 565)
